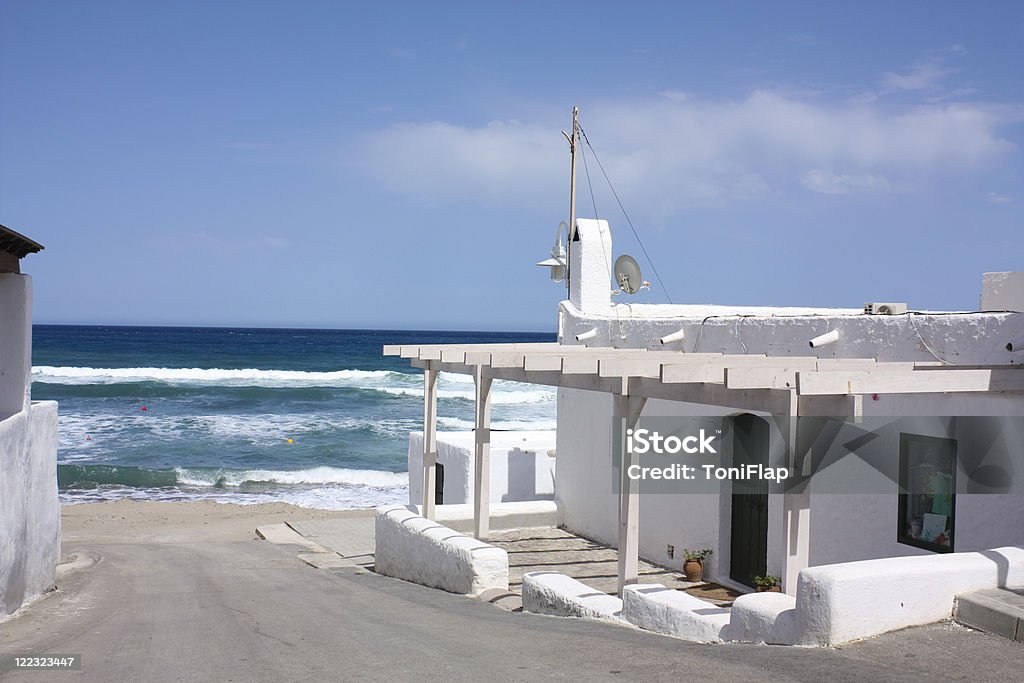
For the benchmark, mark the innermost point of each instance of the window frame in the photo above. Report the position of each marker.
(902, 535)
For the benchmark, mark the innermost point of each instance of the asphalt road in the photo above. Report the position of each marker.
(251, 611)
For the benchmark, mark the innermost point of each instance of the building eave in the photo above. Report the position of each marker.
(18, 245)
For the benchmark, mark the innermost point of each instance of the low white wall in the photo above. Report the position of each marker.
(843, 602)
(562, 596)
(29, 508)
(654, 607)
(521, 468)
(763, 618)
(522, 515)
(416, 549)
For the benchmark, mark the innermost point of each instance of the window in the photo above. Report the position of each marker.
(927, 499)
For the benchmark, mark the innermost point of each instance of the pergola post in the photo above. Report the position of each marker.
(429, 439)
(796, 508)
(482, 456)
(628, 409)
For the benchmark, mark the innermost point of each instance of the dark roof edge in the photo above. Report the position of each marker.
(15, 243)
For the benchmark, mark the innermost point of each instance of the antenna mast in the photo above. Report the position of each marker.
(572, 189)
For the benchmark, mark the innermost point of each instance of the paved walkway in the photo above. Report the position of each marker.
(529, 550)
(350, 537)
(549, 549)
(246, 609)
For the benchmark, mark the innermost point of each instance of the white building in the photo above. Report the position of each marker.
(938, 398)
(29, 508)
(886, 369)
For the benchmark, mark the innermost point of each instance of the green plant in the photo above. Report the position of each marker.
(767, 581)
(698, 555)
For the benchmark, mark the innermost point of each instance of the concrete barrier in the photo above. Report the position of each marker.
(763, 618)
(561, 596)
(416, 549)
(843, 602)
(654, 607)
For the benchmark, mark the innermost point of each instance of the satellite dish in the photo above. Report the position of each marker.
(628, 276)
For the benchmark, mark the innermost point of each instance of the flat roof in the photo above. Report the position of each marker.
(12, 242)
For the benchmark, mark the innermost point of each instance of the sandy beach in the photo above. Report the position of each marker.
(129, 521)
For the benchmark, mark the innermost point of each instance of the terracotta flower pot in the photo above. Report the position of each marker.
(769, 589)
(694, 570)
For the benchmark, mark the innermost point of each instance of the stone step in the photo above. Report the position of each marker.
(996, 610)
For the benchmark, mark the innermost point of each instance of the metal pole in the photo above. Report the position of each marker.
(572, 191)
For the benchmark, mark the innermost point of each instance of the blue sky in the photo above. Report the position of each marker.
(401, 165)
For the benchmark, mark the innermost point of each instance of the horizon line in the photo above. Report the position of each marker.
(291, 327)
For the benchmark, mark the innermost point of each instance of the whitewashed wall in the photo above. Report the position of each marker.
(843, 527)
(963, 339)
(521, 467)
(846, 528)
(29, 508)
(584, 486)
(15, 342)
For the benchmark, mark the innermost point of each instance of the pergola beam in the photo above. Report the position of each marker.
(908, 382)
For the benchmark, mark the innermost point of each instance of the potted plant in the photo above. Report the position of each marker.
(693, 567)
(768, 584)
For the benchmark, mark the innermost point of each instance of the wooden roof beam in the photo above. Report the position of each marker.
(909, 382)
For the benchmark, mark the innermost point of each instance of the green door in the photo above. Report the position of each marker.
(749, 546)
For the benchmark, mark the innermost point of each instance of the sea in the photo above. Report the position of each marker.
(316, 418)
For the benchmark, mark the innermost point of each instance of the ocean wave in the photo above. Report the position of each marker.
(389, 382)
(318, 498)
(71, 476)
(239, 377)
(78, 433)
(498, 396)
(315, 475)
(537, 425)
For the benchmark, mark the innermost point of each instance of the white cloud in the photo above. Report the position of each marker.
(438, 159)
(675, 95)
(827, 182)
(997, 198)
(923, 76)
(689, 151)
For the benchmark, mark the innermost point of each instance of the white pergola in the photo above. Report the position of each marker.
(789, 386)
